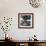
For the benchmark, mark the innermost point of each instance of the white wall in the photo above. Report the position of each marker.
(45, 28)
(11, 8)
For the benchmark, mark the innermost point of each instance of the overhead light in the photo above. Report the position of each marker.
(36, 3)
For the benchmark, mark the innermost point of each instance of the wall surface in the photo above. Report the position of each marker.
(11, 8)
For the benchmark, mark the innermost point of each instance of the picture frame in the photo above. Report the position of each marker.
(25, 20)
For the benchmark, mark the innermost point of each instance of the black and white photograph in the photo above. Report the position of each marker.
(25, 20)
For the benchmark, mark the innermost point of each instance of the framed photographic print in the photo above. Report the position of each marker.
(25, 20)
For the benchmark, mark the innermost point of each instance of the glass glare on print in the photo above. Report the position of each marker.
(25, 20)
